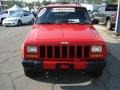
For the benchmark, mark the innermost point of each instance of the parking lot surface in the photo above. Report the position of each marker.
(12, 76)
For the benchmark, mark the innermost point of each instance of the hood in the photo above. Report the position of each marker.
(64, 33)
(11, 18)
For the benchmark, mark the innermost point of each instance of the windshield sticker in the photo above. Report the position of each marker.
(74, 20)
(42, 12)
(63, 9)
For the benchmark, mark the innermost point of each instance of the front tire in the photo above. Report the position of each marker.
(32, 21)
(109, 25)
(2, 20)
(19, 23)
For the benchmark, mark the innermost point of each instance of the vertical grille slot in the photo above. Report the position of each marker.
(57, 52)
(49, 52)
(71, 51)
(42, 51)
(86, 51)
(79, 51)
(64, 51)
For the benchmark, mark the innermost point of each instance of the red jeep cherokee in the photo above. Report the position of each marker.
(63, 38)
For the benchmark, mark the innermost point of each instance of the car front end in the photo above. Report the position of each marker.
(66, 41)
(10, 22)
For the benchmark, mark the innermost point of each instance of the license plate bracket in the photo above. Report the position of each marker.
(65, 66)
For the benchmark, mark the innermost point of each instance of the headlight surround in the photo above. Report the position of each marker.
(32, 49)
(96, 49)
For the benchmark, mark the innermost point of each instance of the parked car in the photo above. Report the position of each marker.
(63, 38)
(5, 14)
(18, 18)
(107, 15)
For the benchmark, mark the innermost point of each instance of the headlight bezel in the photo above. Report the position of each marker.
(32, 49)
(97, 49)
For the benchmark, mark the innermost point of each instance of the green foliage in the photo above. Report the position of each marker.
(112, 1)
(46, 2)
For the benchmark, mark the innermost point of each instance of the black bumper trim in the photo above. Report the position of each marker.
(95, 65)
(30, 64)
(37, 65)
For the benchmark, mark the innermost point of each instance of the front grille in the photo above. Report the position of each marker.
(64, 51)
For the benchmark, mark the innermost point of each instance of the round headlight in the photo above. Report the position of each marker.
(96, 49)
(32, 49)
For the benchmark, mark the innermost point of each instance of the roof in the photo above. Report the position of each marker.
(64, 5)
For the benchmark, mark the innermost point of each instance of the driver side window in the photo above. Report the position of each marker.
(25, 14)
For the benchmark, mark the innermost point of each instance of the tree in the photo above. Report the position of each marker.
(46, 2)
(112, 1)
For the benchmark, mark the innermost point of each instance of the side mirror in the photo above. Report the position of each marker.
(95, 21)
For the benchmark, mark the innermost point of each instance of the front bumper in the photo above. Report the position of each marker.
(95, 65)
(10, 23)
(83, 66)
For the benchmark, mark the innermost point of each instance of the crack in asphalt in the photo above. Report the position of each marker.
(13, 83)
(14, 56)
(19, 76)
(53, 86)
(12, 72)
(10, 51)
(4, 60)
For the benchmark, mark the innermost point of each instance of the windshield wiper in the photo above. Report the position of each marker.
(46, 23)
(84, 23)
(65, 21)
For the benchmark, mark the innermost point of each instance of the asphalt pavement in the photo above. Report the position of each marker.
(12, 76)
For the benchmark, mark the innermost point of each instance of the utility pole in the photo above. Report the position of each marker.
(14, 2)
(22, 3)
(38, 3)
(117, 27)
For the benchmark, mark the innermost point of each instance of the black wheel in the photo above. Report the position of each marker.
(30, 73)
(32, 21)
(95, 73)
(109, 25)
(19, 23)
(95, 21)
(2, 20)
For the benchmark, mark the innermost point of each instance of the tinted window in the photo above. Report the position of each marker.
(6, 12)
(12, 12)
(48, 15)
(16, 14)
(111, 8)
(26, 14)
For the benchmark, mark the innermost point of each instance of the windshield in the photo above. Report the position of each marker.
(12, 12)
(111, 7)
(16, 15)
(63, 15)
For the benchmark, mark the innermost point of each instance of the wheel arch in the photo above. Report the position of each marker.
(107, 18)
